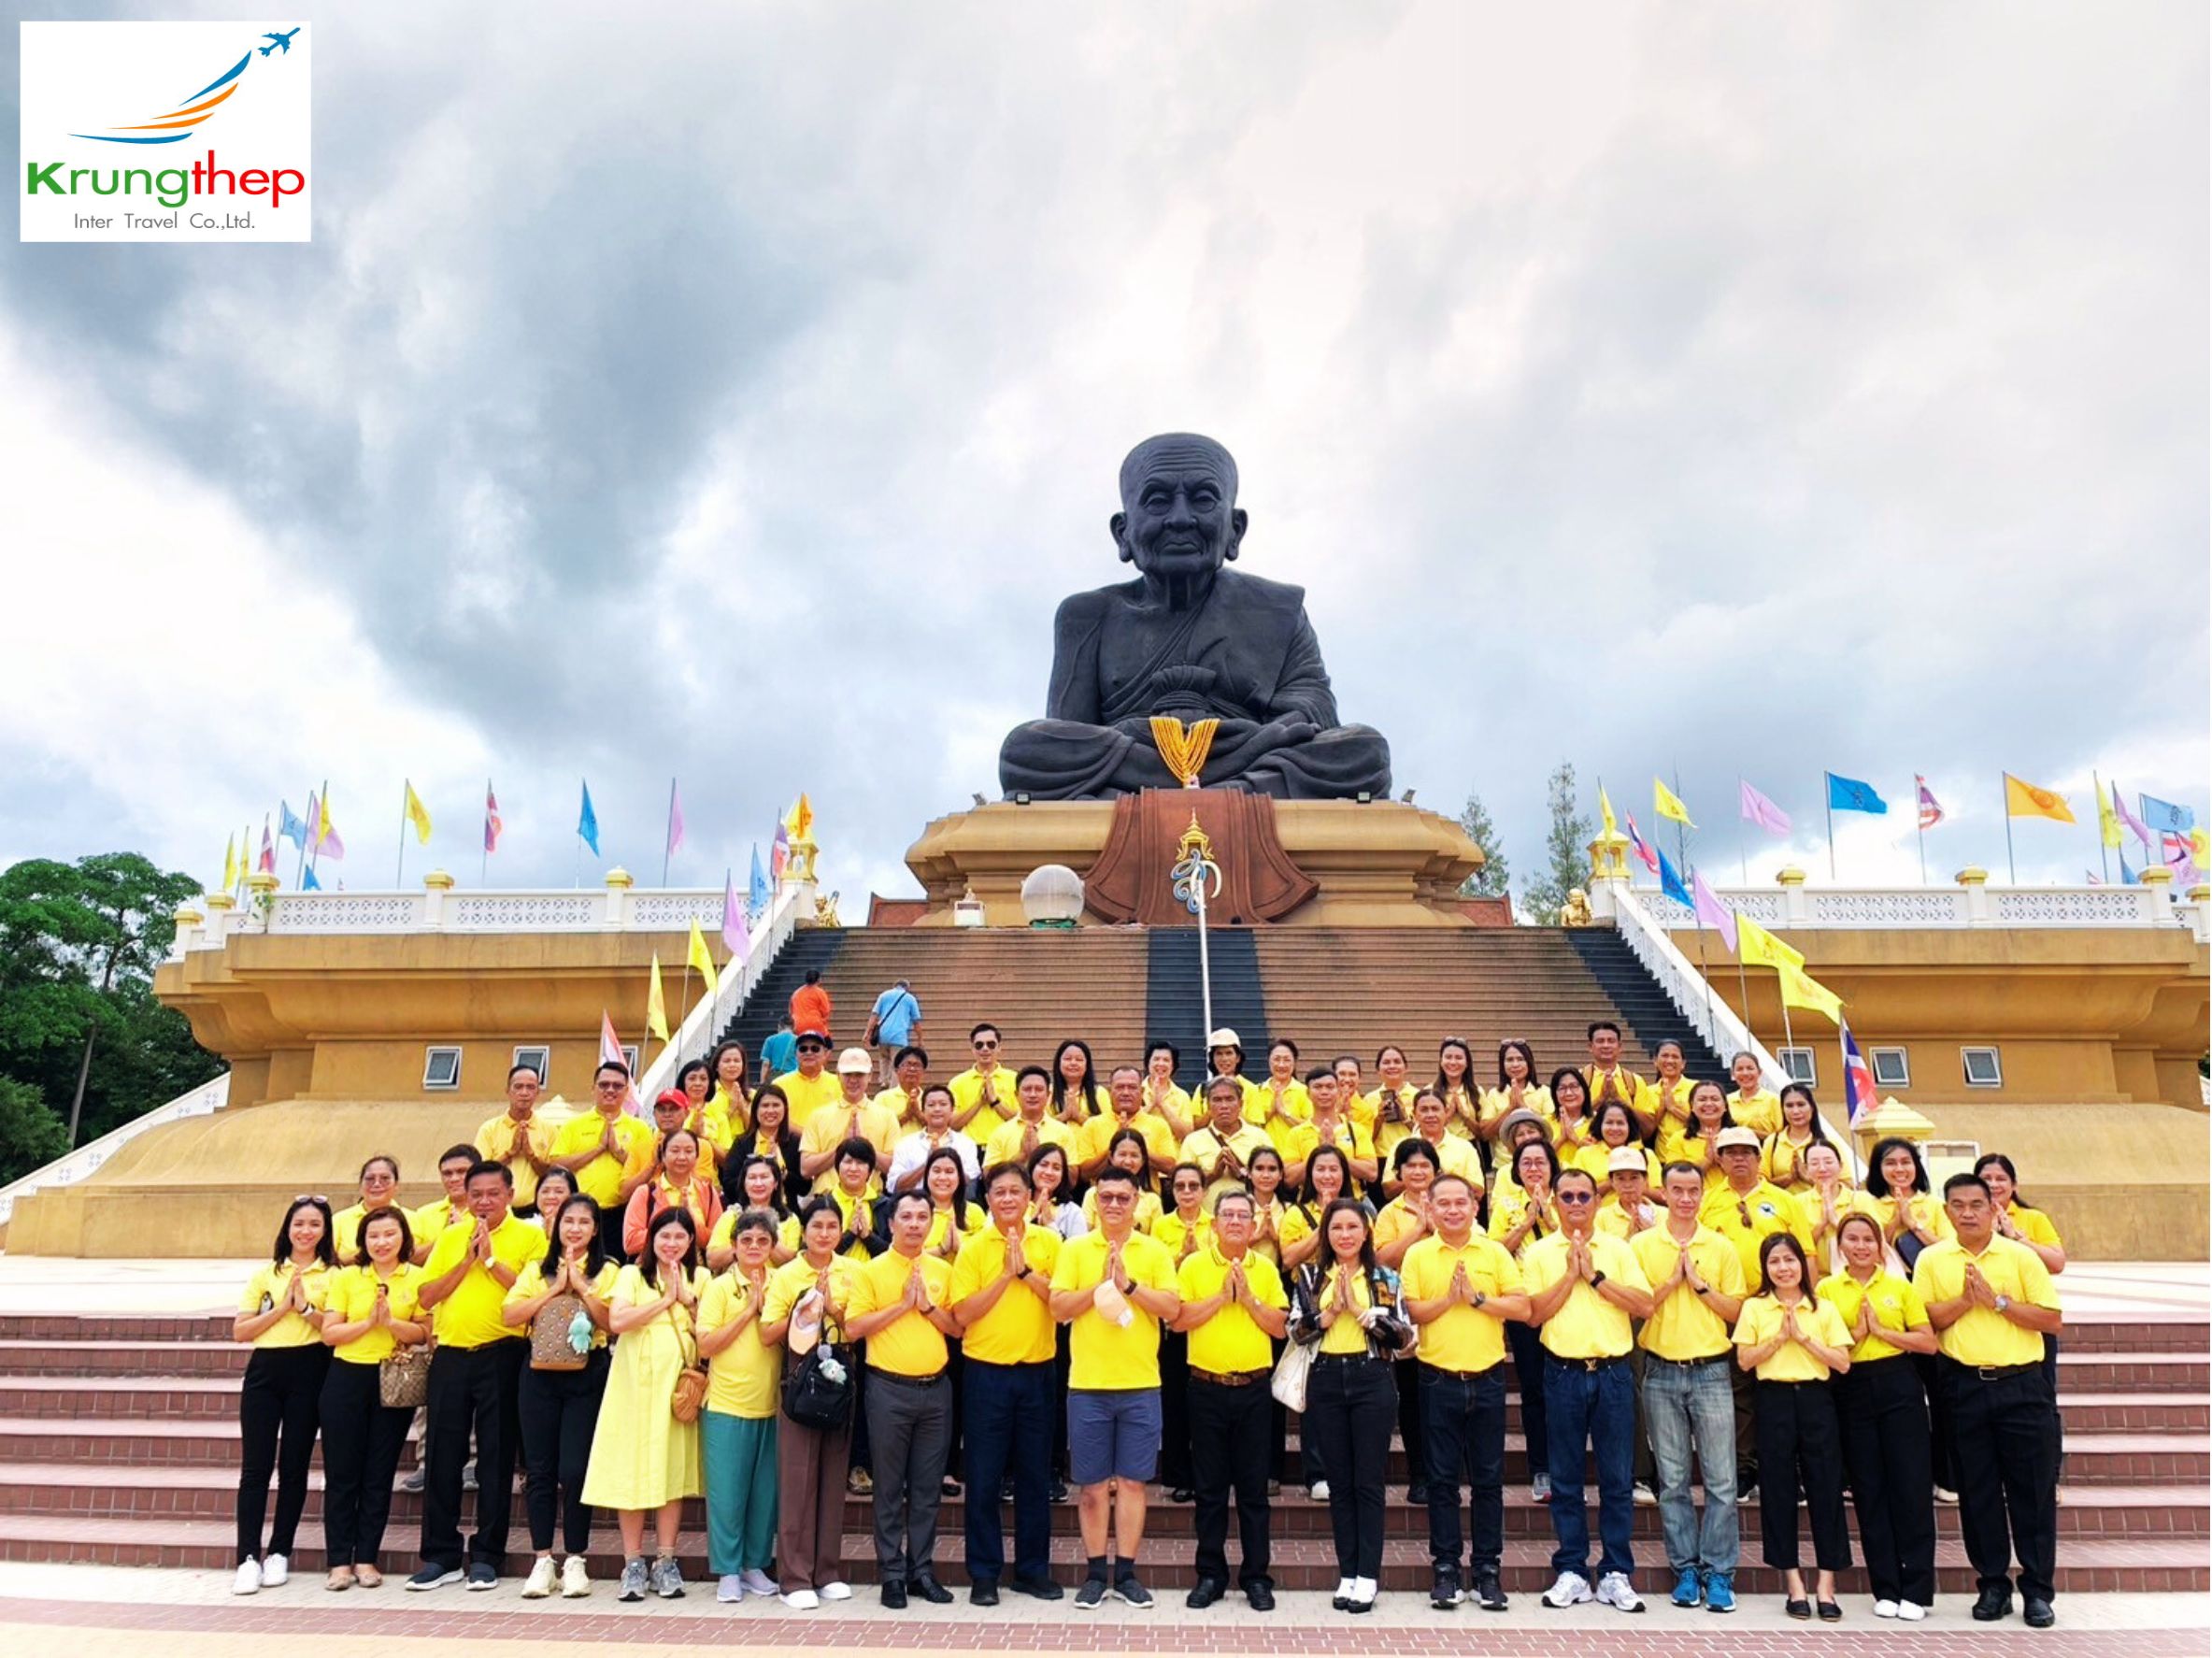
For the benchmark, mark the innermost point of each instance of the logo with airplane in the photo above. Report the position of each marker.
(195, 109)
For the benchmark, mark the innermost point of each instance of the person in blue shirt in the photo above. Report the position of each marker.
(895, 1023)
(780, 1052)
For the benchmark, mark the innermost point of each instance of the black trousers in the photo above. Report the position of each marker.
(1942, 1434)
(1413, 1436)
(557, 1410)
(1466, 1431)
(282, 1394)
(1527, 1347)
(360, 1446)
(2007, 1453)
(1884, 1419)
(1347, 1412)
(478, 1388)
(610, 1233)
(1176, 1472)
(1800, 1449)
(1231, 1430)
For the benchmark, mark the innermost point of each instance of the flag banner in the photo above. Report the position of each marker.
(230, 861)
(1857, 1077)
(610, 1052)
(2108, 821)
(1711, 913)
(2094, 879)
(493, 825)
(656, 1006)
(417, 814)
(2166, 817)
(290, 827)
(1931, 813)
(756, 890)
(675, 819)
(2128, 877)
(1670, 882)
(2137, 826)
(587, 822)
(268, 851)
(699, 958)
(2025, 800)
(1665, 803)
(1606, 814)
(1645, 855)
(308, 882)
(1758, 948)
(801, 822)
(1757, 809)
(327, 844)
(780, 852)
(2178, 855)
(736, 936)
(2200, 846)
(1800, 989)
(1848, 794)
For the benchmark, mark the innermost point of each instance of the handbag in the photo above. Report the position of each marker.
(690, 1396)
(550, 1348)
(1290, 1373)
(817, 1387)
(403, 1380)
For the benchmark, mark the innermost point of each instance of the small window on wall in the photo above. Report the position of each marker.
(630, 1059)
(539, 1059)
(1800, 1064)
(1890, 1068)
(441, 1068)
(1982, 1069)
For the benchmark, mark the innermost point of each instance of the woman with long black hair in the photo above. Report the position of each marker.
(768, 1132)
(1077, 1095)
(370, 1311)
(281, 1313)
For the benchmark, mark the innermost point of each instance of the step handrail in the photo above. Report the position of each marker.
(1687, 987)
(82, 1163)
(695, 1034)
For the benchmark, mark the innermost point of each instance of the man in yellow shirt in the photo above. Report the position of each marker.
(852, 1115)
(516, 1138)
(1460, 1287)
(1610, 1080)
(1747, 1210)
(1697, 1290)
(812, 1085)
(983, 1094)
(900, 1306)
(1432, 1120)
(610, 1153)
(434, 1217)
(1126, 1108)
(1329, 1125)
(1032, 1126)
(474, 1379)
(1233, 1307)
(1113, 1288)
(1224, 1148)
(1584, 1288)
(1002, 1294)
(1993, 1303)
(909, 1074)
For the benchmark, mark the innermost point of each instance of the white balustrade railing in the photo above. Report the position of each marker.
(692, 1038)
(1799, 907)
(1685, 986)
(75, 1166)
(617, 909)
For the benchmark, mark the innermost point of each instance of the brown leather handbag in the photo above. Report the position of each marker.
(550, 1346)
(403, 1380)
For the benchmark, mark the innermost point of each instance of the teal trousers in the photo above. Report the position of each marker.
(739, 1454)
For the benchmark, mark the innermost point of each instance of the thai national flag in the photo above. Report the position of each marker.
(1645, 855)
(1857, 1077)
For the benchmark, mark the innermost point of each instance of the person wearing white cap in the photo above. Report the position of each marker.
(1224, 1057)
(1747, 1210)
(853, 1116)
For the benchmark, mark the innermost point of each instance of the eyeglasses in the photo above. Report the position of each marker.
(1573, 1199)
(1106, 1197)
(983, 1044)
(812, 1048)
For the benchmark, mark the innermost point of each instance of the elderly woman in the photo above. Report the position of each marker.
(678, 1181)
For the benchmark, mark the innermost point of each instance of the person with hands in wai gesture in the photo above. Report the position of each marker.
(737, 1428)
(1222, 1148)
(369, 1313)
(807, 1303)
(518, 1137)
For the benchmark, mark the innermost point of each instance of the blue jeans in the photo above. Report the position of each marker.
(1685, 1404)
(1007, 1423)
(1593, 1411)
(1463, 1420)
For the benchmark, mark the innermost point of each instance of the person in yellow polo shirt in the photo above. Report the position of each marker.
(610, 1152)
(1171, 1104)
(379, 1189)
(476, 1375)
(516, 1138)
(983, 1094)
(1114, 1288)
(1432, 1123)
(1033, 1123)
(1697, 1290)
(1459, 1288)
(1993, 1303)
(1826, 1199)
(1746, 1211)
(1753, 1105)
(1691, 1141)
(812, 1084)
(1232, 1309)
(1225, 1144)
(1584, 1288)
(1126, 1110)
(369, 1313)
(704, 1114)
(1610, 1080)
(910, 1076)
(1329, 1125)
(900, 1306)
(1670, 1088)
(281, 1313)
(1279, 1102)
(1793, 1342)
(1883, 1415)
(1388, 1107)
(852, 1115)
(1519, 1088)
(1912, 1218)
(1001, 1290)
(1627, 1208)
(738, 1428)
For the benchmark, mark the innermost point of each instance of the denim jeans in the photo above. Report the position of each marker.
(1685, 1404)
(1463, 1425)
(1591, 1412)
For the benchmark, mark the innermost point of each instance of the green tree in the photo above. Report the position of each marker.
(1566, 852)
(30, 1134)
(1494, 879)
(78, 943)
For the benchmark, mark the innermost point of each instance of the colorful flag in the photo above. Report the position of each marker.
(1645, 855)
(2120, 807)
(327, 844)
(417, 814)
(493, 825)
(2128, 877)
(701, 958)
(736, 936)
(308, 882)
(1800, 989)
(1666, 806)
(2025, 800)
(675, 819)
(1606, 814)
(587, 822)
(1857, 1077)
(1848, 794)
(1711, 913)
(656, 1007)
(1758, 948)
(2094, 879)
(756, 890)
(780, 852)
(1931, 813)
(610, 1052)
(2178, 856)
(2200, 846)
(1757, 809)
(268, 851)
(2164, 815)
(801, 819)
(1670, 882)
(2108, 821)
(290, 827)
(230, 861)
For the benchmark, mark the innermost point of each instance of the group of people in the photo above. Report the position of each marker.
(1015, 1277)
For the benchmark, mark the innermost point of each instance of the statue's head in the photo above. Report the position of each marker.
(1179, 517)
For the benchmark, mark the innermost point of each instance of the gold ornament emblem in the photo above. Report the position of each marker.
(1184, 750)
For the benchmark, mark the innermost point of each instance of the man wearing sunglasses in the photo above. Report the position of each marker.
(812, 1085)
(986, 1086)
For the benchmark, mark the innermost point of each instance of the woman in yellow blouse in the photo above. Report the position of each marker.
(1615, 1129)
(1709, 1113)
(1793, 1342)
(369, 1313)
(1522, 1211)
(1078, 1095)
(1265, 1175)
(1388, 1106)
(1912, 1216)
(643, 1459)
(1883, 1416)
(952, 1219)
(730, 1095)
(548, 1204)
(281, 1313)
(1781, 1156)
(559, 1409)
(1279, 1102)
(704, 1117)
(1572, 1127)
(1827, 1199)
(1517, 1089)
(1670, 1086)
(379, 1189)
(1161, 1098)
(2015, 1218)
(1127, 1150)
(768, 1132)
(1185, 1229)
(1329, 1175)
(1751, 1106)
(1455, 1082)
(737, 1429)
(680, 1180)
(757, 1184)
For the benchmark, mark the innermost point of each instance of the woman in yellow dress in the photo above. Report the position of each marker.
(1455, 1082)
(643, 1459)
(281, 1313)
(369, 1313)
(1781, 1158)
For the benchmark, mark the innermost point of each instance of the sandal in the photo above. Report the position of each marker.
(341, 1577)
(1830, 1612)
(1801, 1610)
(368, 1576)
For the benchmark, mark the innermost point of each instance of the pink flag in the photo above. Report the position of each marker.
(1931, 813)
(674, 819)
(268, 851)
(610, 1054)
(2142, 830)
(1757, 809)
(2174, 851)
(779, 853)
(1711, 913)
(1645, 855)
(734, 935)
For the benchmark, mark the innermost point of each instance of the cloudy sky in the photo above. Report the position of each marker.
(732, 392)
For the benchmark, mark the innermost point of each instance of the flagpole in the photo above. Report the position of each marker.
(303, 859)
(2104, 861)
(1743, 863)
(399, 873)
(484, 863)
(1788, 1039)
(1828, 810)
(579, 841)
(1920, 818)
(667, 834)
(2012, 874)
(1682, 829)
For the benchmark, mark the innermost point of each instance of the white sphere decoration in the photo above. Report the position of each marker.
(1052, 896)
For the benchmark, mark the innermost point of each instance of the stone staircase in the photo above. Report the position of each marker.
(119, 1444)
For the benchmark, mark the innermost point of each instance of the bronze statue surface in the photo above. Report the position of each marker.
(1191, 638)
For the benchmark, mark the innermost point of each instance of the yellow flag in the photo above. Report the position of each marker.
(801, 822)
(656, 1007)
(230, 861)
(699, 958)
(1755, 946)
(2025, 800)
(2107, 819)
(419, 815)
(1801, 990)
(2200, 846)
(1666, 806)
(1606, 813)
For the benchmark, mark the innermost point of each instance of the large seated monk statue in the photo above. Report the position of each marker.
(1191, 638)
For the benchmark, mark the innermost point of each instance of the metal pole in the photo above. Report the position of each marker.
(399, 868)
(1828, 812)
(1206, 972)
(2012, 874)
(2103, 859)
(1919, 827)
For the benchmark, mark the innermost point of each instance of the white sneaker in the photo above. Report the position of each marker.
(274, 1570)
(758, 1582)
(730, 1588)
(836, 1589)
(801, 1600)
(576, 1579)
(1910, 1611)
(1946, 1497)
(247, 1579)
(1571, 1590)
(1614, 1589)
(1885, 1609)
(1319, 1491)
(540, 1583)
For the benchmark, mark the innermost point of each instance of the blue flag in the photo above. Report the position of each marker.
(2164, 816)
(1670, 882)
(587, 822)
(756, 888)
(308, 882)
(1848, 794)
(290, 827)
(2127, 877)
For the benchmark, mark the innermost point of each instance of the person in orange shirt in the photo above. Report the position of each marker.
(810, 1005)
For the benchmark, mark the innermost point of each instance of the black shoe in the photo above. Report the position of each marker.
(1182, 1494)
(1993, 1603)
(1444, 1590)
(926, 1585)
(894, 1596)
(1417, 1496)
(1260, 1595)
(1204, 1593)
(983, 1593)
(1056, 1492)
(1038, 1588)
(1801, 1610)
(2038, 1613)
(1489, 1595)
(1828, 1611)
(1090, 1594)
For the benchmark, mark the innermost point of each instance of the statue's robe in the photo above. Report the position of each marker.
(1245, 654)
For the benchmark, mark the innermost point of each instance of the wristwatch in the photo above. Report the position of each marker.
(1596, 1278)
(1480, 1296)
(2004, 1303)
